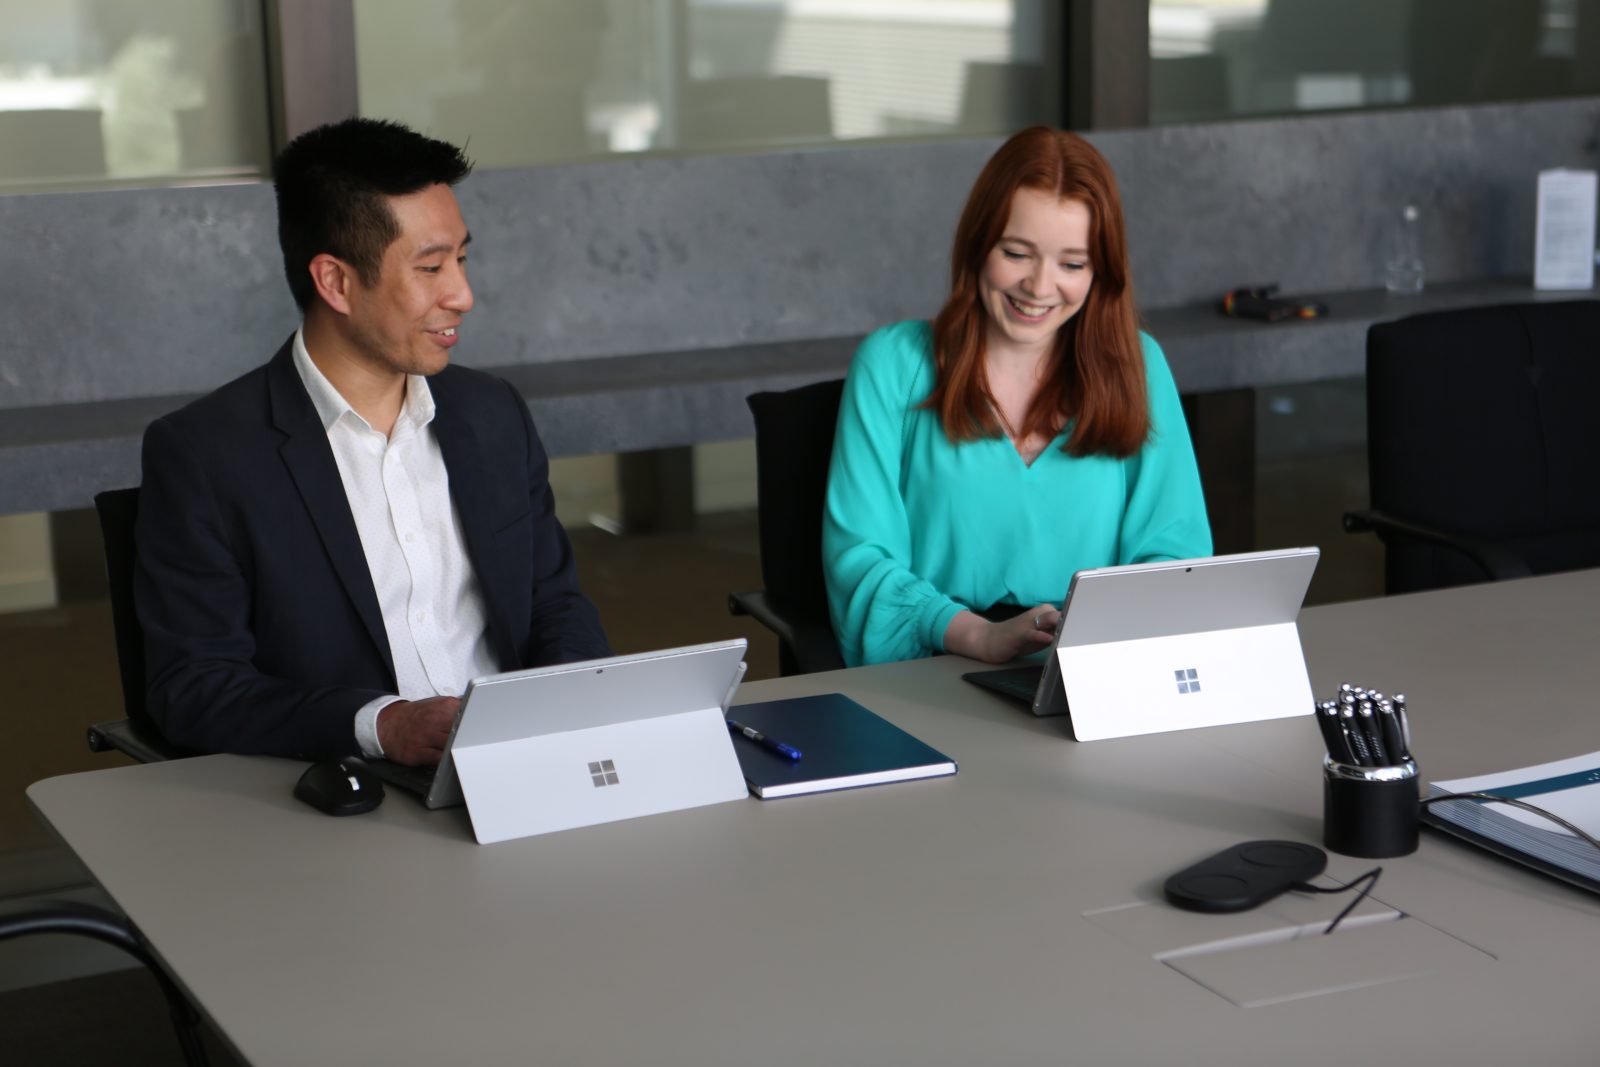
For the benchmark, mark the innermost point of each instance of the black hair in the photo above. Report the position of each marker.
(333, 183)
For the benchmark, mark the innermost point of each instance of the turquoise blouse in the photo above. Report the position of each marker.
(917, 529)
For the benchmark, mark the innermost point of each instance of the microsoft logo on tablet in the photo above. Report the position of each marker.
(603, 773)
(1188, 680)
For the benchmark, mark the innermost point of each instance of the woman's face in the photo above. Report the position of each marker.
(1037, 275)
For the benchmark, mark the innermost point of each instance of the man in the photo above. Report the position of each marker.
(333, 545)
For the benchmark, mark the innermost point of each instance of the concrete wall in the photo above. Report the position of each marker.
(155, 292)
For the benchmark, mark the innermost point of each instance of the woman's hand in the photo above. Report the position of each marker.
(973, 636)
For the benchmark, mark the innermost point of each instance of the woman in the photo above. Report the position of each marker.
(1028, 432)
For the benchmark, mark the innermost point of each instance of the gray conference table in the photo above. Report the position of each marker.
(1008, 915)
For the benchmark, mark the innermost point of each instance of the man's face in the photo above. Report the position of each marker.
(407, 320)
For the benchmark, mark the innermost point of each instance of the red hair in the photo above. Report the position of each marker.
(1097, 373)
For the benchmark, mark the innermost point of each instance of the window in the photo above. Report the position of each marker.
(530, 81)
(1218, 59)
(98, 92)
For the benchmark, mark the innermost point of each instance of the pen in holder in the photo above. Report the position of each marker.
(1369, 780)
(1369, 811)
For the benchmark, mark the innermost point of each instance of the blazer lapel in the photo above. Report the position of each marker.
(309, 457)
(470, 493)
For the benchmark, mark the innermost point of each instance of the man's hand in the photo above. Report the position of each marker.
(414, 732)
(1000, 642)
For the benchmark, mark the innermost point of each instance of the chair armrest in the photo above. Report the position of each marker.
(1493, 558)
(86, 920)
(132, 739)
(758, 606)
(811, 640)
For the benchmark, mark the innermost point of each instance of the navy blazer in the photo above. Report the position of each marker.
(261, 624)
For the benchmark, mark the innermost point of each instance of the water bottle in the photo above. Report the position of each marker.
(1402, 270)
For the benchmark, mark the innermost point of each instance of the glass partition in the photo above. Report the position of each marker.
(531, 81)
(98, 92)
(1219, 59)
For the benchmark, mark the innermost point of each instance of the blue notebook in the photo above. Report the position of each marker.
(843, 746)
(1569, 788)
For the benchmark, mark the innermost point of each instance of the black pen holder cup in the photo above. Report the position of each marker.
(1369, 811)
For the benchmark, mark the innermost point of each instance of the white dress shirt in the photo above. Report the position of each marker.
(399, 493)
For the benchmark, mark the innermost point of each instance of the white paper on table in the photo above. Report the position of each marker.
(1564, 230)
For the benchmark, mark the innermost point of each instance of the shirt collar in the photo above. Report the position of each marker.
(332, 406)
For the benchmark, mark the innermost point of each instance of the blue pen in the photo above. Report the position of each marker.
(786, 751)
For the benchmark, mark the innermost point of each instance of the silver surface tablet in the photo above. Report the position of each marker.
(1145, 621)
(568, 696)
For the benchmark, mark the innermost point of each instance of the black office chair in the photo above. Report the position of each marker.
(137, 735)
(85, 920)
(794, 442)
(1483, 443)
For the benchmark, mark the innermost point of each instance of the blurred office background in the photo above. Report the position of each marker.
(102, 95)
(114, 92)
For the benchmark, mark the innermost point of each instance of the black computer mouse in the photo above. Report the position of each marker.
(339, 787)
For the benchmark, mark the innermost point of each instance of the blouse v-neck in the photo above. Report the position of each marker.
(917, 526)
